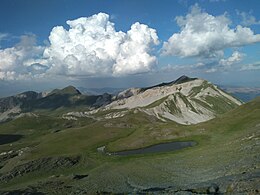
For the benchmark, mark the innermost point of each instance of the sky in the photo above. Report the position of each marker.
(45, 44)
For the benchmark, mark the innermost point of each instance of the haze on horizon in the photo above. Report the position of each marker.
(120, 44)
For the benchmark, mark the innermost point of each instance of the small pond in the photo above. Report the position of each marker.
(9, 138)
(164, 147)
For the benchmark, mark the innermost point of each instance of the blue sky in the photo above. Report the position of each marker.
(123, 43)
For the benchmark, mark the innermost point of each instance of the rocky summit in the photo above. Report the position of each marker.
(185, 101)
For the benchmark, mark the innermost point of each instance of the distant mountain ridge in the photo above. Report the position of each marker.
(68, 97)
(180, 80)
(185, 101)
(100, 91)
(245, 94)
(70, 90)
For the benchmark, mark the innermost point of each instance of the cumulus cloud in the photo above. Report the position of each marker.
(205, 35)
(14, 61)
(89, 47)
(235, 58)
(247, 18)
(92, 46)
(134, 53)
(225, 64)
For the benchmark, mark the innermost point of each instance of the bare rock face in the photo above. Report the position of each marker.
(103, 100)
(46, 164)
(185, 101)
(127, 93)
(25, 103)
(17, 100)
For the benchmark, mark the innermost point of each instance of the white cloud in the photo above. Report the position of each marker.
(134, 53)
(14, 61)
(199, 64)
(205, 35)
(3, 36)
(92, 46)
(211, 70)
(253, 66)
(217, 1)
(235, 58)
(247, 18)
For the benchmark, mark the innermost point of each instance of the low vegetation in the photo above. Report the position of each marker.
(226, 154)
(48, 153)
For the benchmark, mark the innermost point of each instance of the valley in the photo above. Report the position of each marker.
(62, 133)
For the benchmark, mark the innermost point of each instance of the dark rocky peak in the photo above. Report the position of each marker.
(17, 100)
(70, 90)
(103, 99)
(183, 79)
(28, 95)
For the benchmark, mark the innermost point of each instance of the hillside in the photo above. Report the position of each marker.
(58, 100)
(53, 153)
(158, 139)
(185, 101)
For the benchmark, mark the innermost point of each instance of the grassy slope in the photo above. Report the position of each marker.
(217, 104)
(226, 146)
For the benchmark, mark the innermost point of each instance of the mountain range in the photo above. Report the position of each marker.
(185, 101)
(186, 137)
(245, 94)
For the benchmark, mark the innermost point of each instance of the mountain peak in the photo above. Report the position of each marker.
(28, 95)
(183, 79)
(69, 90)
(185, 101)
(180, 80)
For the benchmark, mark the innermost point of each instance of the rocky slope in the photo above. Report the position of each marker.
(15, 106)
(225, 159)
(185, 101)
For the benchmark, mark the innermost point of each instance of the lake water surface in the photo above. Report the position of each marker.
(9, 138)
(164, 147)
